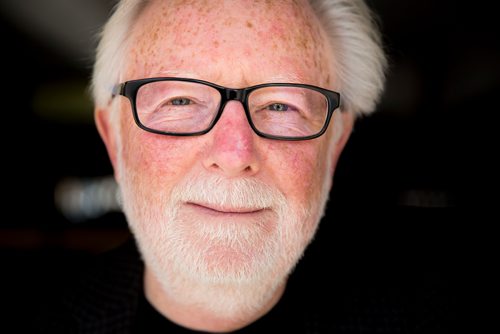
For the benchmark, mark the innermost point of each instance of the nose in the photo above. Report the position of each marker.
(232, 150)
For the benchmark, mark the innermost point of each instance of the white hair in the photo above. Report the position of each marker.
(355, 37)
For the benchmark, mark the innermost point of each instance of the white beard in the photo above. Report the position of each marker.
(232, 270)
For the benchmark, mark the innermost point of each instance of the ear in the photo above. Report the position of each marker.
(346, 120)
(108, 134)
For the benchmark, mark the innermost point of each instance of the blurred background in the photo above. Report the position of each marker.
(423, 147)
(421, 160)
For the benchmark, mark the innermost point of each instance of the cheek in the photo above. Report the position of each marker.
(155, 159)
(299, 169)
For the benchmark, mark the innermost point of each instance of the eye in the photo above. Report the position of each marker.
(278, 107)
(180, 101)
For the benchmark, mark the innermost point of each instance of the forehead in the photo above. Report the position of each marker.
(232, 40)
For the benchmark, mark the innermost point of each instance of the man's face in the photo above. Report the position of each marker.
(227, 207)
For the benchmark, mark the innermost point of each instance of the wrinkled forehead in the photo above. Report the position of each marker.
(253, 36)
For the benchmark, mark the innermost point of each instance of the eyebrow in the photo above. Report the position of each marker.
(175, 73)
(289, 77)
(285, 77)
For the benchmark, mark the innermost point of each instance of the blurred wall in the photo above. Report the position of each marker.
(423, 148)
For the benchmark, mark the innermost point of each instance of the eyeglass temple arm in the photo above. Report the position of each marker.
(117, 90)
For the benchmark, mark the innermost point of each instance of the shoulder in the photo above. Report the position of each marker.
(101, 295)
(359, 290)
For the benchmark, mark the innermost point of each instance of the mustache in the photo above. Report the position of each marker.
(235, 193)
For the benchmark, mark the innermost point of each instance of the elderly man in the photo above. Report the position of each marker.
(224, 121)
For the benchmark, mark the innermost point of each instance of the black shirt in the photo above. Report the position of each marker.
(107, 297)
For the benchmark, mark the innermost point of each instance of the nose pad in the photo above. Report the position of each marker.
(232, 148)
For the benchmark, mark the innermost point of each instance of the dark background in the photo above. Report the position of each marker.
(411, 189)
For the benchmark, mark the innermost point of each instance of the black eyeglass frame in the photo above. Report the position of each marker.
(130, 88)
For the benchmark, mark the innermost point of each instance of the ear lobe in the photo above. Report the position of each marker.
(108, 135)
(347, 123)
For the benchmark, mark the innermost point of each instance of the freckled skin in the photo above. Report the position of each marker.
(259, 47)
(234, 43)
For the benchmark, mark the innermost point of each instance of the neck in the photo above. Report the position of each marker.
(182, 307)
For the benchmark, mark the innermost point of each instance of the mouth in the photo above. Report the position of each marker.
(223, 210)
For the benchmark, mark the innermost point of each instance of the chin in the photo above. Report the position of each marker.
(231, 265)
(230, 269)
(225, 252)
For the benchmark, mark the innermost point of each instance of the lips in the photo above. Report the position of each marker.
(216, 209)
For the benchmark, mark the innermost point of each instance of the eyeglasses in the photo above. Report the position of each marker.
(189, 107)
